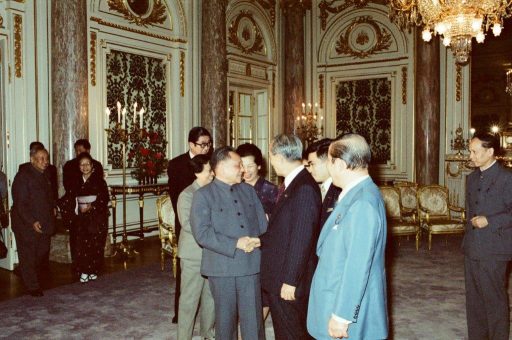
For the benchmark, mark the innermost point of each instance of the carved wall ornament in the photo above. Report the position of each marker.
(353, 43)
(326, 8)
(18, 30)
(404, 85)
(243, 32)
(134, 30)
(269, 5)
(140, 12)
(1, 22)
(92, 51)
(182, 73)
(321, 89)
(273, 89)
(458, 84)
(248, 70)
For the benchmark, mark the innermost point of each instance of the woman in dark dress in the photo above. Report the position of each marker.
(86, 207)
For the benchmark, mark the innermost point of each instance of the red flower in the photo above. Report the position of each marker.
(144, 152)
(150, 165)
(131, 154)
(159, 155)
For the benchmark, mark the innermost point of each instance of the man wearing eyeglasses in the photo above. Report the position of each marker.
(181, 175)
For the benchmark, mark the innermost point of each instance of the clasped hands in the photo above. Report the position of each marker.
(479, 222)
(248, 244)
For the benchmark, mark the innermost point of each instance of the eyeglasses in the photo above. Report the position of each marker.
(203, 145)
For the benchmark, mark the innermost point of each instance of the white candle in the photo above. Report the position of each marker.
(107, 112)
(141, 113)
(303, 108)
(124, 117)
(309, 106)
(118, 112)
(134, 112)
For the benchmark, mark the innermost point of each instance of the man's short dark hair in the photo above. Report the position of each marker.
(488, 141)
(84, 143)
(84, 155)
(198, 163)
(35, 150)
(219, 155)
(36, 145)
(196, 132)
(249, 149)
(321, 147)
(353, 150)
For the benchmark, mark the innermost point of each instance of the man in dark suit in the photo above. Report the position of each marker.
(288, 260)
(33, 218)
(227, 222)
(487, 241)
(50, 172)
(181, 175)
(317, 161)
(72, 177)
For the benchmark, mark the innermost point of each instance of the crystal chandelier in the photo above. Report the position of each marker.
(457, 21)
(508, 89)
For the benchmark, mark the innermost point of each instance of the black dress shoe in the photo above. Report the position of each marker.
(36, 292)
(174, 319)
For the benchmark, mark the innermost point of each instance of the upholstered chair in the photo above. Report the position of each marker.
(437, 215)
(408, 194)
(398, 224)
(167, 232)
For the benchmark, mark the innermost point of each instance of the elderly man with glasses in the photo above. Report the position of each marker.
(181, 174)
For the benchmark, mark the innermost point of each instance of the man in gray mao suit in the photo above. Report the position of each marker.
(227, 221)
(487, 241)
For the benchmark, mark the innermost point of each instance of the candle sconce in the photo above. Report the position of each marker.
(308, 126)
(459, 144)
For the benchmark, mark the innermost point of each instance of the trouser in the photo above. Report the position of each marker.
(242, 294)
(486, 299)
(289, 317)
(195, 291)
(177, 290)
(32, 248)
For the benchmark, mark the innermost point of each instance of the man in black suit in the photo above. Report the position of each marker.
(33, 218)
(72, 177)
(288, 259)
(50, 171)
(487, 241)
(317, 161)
(181, 175)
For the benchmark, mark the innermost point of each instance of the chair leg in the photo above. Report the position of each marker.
(429, 240)
(162, 259)
(417, 241)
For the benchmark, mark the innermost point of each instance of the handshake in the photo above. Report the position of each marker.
(248, 244)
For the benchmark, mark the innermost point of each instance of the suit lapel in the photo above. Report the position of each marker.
(339, 212)
(288, 192)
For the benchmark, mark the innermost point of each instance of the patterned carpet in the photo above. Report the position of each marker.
(426, 302)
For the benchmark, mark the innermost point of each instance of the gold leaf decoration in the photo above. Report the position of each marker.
(327, 8)
(18, 64)
(233, 34)
(158, 13)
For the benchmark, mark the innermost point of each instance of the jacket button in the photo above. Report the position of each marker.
(241, 226)
(238, 214)
(236, 201)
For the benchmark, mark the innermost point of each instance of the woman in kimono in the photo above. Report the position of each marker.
(86, 206)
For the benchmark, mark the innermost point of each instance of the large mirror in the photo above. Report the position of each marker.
(491, 105)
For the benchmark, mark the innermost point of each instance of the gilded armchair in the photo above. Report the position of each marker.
(437, 215)
(400, 221)
(408, 194)
(167, 232)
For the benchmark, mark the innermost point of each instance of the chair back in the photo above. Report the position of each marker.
(408, 194)
(391, 197)
(434, 199)
(165, 213)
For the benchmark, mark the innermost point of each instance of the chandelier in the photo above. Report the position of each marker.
(508, 89)
(457, 21)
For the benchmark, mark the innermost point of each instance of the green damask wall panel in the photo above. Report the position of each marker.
(364, 107)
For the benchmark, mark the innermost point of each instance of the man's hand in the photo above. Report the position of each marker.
(479, 222)
(37, 227)
(287, 292)
(85, 209)
(243, 243)
(337, 329)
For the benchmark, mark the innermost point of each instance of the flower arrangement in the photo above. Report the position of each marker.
(148, 157)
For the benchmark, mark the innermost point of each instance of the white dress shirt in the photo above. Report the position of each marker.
(291, 176)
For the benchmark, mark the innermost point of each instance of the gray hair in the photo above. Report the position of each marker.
(288, 146)
(353, 149)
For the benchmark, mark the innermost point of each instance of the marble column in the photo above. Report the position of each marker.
(68, 78)
(293, 62)
(214, 71)
(427, 108)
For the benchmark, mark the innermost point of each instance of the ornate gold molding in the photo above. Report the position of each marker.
(326, 8)
(458, 85)
(247, 35)
(273, 89)
(157, 15)
(18, 64)
(182, 73)
(383, 39)
(134, 30)
(404, 85)
(269, 5)
(92, 51)
(1, 22)
(321, 89)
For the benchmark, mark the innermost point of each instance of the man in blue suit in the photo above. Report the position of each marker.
(348, 292)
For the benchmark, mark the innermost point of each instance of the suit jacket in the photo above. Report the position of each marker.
(180, 174)
(489, 194)
(187, 245)
(288, 246)
(350, 279)
(72, 176)
(51, 173)
(33, 201)
(328, 203)
(222, 214)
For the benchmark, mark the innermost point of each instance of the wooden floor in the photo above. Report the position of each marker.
(59, 274)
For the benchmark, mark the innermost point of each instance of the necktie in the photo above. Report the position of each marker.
(323, 191)
(280, 191)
